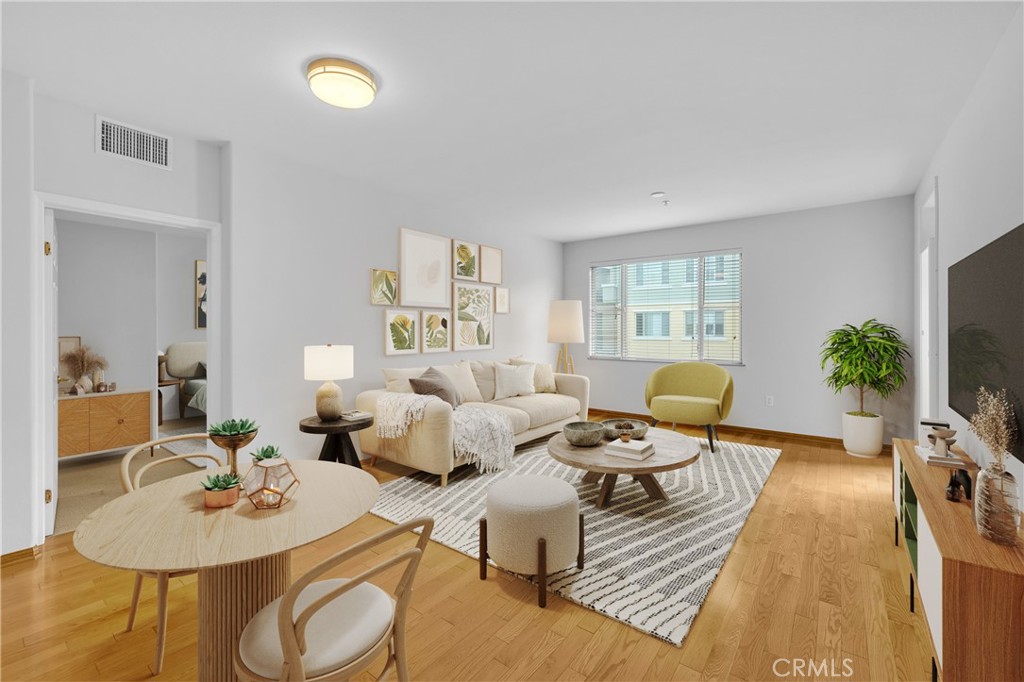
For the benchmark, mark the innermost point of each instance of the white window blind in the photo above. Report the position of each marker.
(674, 308)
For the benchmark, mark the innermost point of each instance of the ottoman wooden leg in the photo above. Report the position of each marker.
(542, 573)
(483, 549)
(579, 557)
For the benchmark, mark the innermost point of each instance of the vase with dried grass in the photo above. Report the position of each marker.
(996, 508)
(81, 362)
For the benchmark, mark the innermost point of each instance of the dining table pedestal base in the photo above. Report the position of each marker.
(229, 596)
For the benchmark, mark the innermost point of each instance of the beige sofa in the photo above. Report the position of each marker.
(429, 444)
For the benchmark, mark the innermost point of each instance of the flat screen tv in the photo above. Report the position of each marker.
(986, 327)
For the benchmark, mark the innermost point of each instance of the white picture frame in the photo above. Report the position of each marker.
(424, 267)
(401, 336)
(501, 301)
(473, 316)
(435, 324)
(465, 260)
(491, 266)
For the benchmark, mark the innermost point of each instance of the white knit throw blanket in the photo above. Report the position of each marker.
(395, 411)
(482, 437)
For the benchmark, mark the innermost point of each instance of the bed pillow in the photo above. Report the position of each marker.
(543, 376)
(513, 380)
(433, 382)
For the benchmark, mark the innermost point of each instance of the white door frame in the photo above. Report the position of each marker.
(42, 392)
(928, 243)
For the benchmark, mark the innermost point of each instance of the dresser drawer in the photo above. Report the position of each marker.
(118, 421)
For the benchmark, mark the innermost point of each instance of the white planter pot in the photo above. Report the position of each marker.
(862, 436)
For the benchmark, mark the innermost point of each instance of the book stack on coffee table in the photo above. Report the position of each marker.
(634, 449)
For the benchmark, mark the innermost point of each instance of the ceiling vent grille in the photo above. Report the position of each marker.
(130, 142)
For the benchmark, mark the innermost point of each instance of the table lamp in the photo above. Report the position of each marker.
(327, 363)
(565, 326)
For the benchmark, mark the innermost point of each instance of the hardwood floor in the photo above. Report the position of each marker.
(814, 576)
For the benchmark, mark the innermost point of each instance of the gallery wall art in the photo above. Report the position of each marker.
(474, 316)
(501, 302)
(490, 265)
(401, 336)
(383, 287)
(436, 328)
(425, 264)
(465, 259)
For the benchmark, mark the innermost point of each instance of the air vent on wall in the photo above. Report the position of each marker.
(130, 142)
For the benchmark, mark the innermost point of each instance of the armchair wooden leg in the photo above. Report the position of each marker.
(136, 592)
(483, 549)
(542, 573)
(444, 480)
(654, 422)
(579, 556)
(711, 436)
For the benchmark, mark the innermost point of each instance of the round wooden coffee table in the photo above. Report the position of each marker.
(671, 451)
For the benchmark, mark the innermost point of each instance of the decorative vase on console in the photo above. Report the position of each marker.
(996, 507)
(85, 382)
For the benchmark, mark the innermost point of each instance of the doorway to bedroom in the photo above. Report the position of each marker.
(130, 306)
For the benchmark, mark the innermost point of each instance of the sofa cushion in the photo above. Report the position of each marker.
(512, 380)
(543, 375)
(520, 419)
(483, 372)
(460, 374)
(433, 382)
(542, 408)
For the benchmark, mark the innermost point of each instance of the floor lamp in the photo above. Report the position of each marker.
(565, 326)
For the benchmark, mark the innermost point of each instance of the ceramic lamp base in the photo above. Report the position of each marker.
(328, 402)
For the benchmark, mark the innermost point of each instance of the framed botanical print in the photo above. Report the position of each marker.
(465, 260)
(383, 287)
(424, 267)
(436, 329)
(501, 303)
(490, 265)
(200, 281)
(474, 316)
(400, 333)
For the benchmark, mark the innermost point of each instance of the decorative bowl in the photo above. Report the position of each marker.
(613, 428)
(584, 434)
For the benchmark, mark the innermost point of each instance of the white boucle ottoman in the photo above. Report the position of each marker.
(532, 523)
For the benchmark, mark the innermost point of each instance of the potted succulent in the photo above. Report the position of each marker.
(221, 490)
(870, 356)
(232, 434)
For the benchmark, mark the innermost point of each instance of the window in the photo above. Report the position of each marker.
(652, 325)
(634, 304)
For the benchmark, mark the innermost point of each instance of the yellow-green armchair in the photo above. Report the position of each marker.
(698, 393)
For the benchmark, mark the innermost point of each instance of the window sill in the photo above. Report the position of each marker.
(723, 363)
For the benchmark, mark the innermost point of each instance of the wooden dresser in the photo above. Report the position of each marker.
(972, 590)
(98, 422)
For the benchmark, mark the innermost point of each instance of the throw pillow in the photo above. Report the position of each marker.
(396, 379)
(201, 370)
(513, 380)
(483, 372)
(433, 382)
(543, 376)
(461, 375)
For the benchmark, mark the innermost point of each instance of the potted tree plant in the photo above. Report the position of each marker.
(870, 356)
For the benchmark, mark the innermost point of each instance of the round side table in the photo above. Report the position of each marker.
(338, 445)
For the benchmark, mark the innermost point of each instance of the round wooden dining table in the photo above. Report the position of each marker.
(242, 554)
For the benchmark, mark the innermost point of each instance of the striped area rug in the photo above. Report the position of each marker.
(649, 564)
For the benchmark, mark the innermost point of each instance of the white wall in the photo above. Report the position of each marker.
(176, 257)
(20, 486)
(301, 246)
(980, 171)
(804, 273)
(106, 294)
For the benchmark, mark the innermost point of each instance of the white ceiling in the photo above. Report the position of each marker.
(555, 118)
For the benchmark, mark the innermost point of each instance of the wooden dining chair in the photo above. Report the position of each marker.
(334, 629)
(131, 483)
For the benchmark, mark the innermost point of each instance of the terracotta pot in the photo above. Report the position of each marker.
(214, 499)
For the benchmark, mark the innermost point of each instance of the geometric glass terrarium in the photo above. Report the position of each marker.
(270, 483)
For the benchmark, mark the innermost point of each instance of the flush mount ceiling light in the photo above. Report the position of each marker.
(660, 196)
(341, 83)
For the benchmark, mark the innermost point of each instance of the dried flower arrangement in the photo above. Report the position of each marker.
(82, 361)
(994, 423)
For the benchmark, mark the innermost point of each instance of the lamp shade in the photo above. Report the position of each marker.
(565, 322)
(327, 363)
